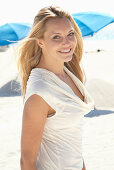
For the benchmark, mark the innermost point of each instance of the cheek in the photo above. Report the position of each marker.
(50, 47)
(51, 43)
(75, 40)
(47, 46)
(54, 45)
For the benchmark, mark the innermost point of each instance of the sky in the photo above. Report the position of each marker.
(25, 10)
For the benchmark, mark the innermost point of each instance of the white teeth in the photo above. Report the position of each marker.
(65, 51)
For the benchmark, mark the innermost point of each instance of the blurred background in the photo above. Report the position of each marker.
(18, 11)
(98, 65)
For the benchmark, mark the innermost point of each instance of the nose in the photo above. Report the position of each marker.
(66, 41)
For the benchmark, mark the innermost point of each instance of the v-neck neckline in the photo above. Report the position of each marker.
(70, 74)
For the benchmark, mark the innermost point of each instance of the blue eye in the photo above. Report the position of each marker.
(71, 34)
(56, 37)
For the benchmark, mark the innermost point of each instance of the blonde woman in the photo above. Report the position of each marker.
(54, 95)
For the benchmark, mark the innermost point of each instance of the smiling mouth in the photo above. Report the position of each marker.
(65, 51)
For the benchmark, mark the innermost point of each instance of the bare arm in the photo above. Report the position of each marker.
(34, 118)
(84, 168)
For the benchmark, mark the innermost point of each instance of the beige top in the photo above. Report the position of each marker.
(61, 145)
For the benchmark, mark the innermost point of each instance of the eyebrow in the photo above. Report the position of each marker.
(60, 33)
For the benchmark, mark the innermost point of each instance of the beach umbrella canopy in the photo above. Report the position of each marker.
(13, 32)
(106, 33)
(91, 22)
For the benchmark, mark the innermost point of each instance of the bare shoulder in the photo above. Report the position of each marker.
(36, 103)
(34, 118)
(35, 113)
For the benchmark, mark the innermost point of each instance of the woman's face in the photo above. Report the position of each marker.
(59, 41)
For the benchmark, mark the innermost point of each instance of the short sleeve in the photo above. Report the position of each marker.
(42, 89)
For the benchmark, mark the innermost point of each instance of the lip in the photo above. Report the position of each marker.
(68, 49)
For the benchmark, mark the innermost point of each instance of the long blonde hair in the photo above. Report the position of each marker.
(29, 52)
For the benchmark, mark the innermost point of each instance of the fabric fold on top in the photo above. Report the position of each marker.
(61, 145)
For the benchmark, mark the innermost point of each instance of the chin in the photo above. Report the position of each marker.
(67, 59)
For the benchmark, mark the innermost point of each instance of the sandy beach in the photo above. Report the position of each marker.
(98, 136)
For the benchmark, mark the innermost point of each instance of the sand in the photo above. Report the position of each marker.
(98, 136)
